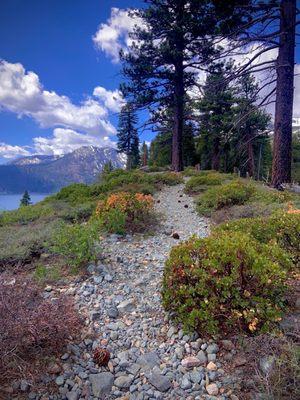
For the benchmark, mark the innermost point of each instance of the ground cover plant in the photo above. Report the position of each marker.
(32, 328)
(29, 231)
(227, 282)
(125, 211)
(281, 227)
(204, 179)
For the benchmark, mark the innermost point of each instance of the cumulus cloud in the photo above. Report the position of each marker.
(113, 100)
(8, 151)
(66, 140)
(22, 93)
(113, 36)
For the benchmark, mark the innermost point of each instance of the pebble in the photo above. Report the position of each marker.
(120, 298)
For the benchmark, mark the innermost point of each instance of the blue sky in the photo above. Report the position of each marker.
(58, 86)
(53, 38)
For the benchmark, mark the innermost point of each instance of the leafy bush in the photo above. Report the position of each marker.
(124, 211)
(225, 282)
(199, 182)
(78, 213)
(282, 227)
(24, 215)
(44, 273)
(235, 192)
(76, 243)
(77, 193)
(31, 327)
(167, 178)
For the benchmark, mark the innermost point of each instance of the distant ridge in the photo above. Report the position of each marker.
(40, 173)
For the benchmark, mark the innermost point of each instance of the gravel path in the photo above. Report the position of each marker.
(150, 359)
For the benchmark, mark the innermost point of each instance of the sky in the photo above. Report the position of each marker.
(59, 74)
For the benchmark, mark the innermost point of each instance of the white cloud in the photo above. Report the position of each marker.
(8, 151)
(21, 92)
(114, 35)
(66, 140)
(113, 100)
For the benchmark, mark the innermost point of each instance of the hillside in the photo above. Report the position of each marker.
(41, 173)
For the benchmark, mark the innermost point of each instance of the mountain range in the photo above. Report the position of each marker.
(49, 173)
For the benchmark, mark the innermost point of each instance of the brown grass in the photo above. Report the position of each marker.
(32, 328)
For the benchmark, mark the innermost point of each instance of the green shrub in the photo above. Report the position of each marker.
(114, 221)
(196, 183)
(24, 215)
(78, 213)
(44, 274)
(235, 192)
(226, 282)
(76, 243)
(167, 178)
(282, 227)
(77, 193)
(124, 211)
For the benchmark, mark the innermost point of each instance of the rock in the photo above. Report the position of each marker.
(172, 330)
(239, 361)
(91, 269)
(202, 357)
(212, 348)
(72, 395)
(48, 288)
(211, 357)
(126, 306)
(185, 383)
(101, 383)
(211, 366)
(112, 312)
(160, 382)
(190, 362)
(60, 380)
(108, 278)
(24, 385)
(123, 381)
(196, 376)
(227, 345)
(266, 364)
(175, 236)
(54, 368)
(148, 360)
(212, 389)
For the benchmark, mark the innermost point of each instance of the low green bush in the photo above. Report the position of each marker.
(167, 178)
(77, 193)
(24, 215)
(198, 183)
(282, 227)
(215, 198)
(226, 282)
(76, 243)
(43, 274)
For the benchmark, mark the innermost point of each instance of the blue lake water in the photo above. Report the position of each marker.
(12, 201)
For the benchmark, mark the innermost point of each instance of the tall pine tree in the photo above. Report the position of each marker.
(167, 51)
(144, 155)
(216, 117)
(128, 139)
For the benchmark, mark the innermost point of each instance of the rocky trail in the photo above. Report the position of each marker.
(120, 296)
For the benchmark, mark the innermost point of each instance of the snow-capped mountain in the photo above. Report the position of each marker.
(50, 173)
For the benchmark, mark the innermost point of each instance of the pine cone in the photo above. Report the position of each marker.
(101, 356)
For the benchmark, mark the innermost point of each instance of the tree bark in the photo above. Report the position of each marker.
(177, 153)
(250, 156)
(215, 162)
(282, 148)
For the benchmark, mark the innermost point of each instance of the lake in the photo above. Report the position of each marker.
(12, 201)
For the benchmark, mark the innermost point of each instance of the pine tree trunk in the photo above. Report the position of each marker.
(250, 156)
(215, 162)
(177, 153)
(282, 149)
